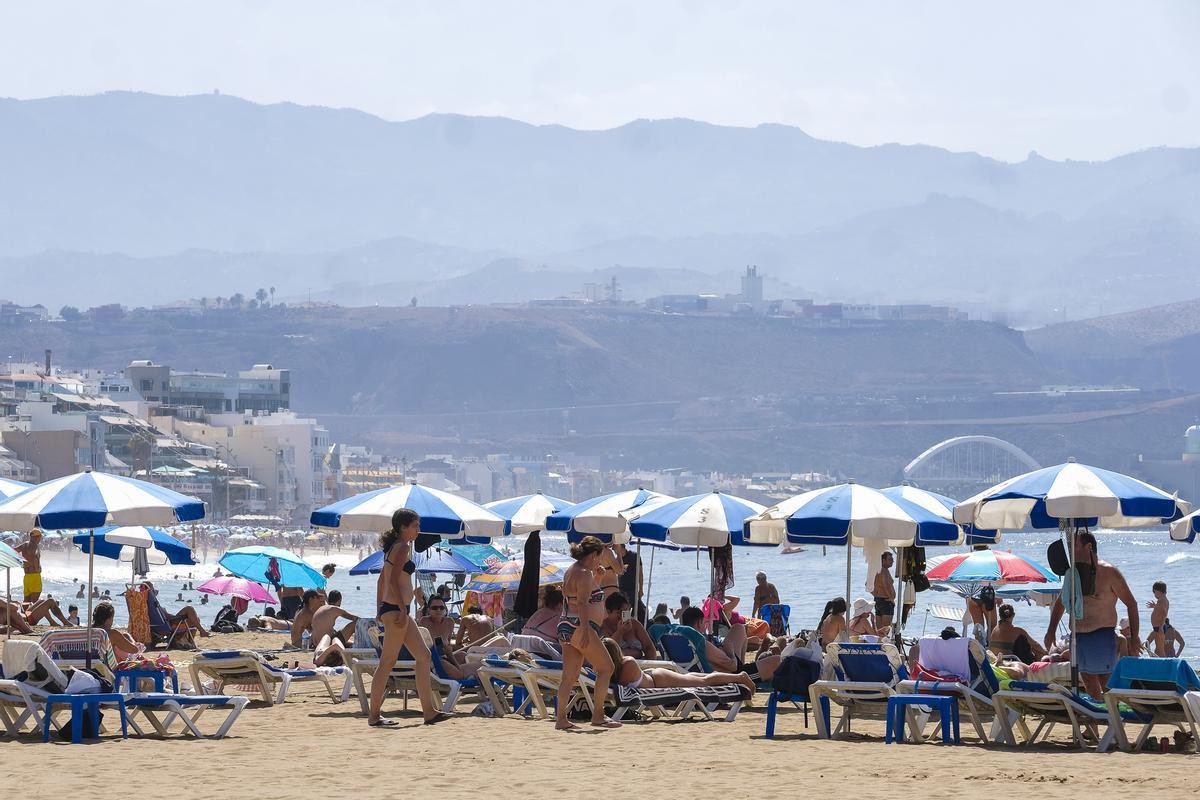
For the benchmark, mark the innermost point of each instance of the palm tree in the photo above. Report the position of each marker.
(272, 290)
(261, 296)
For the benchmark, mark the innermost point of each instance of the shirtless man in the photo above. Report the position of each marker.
(730, 656)
(1096, 632)
(1159, 607)
(310, 601)
(884, 592)
(765, 594)
(474, 627)
(31, 552)
(325, 618)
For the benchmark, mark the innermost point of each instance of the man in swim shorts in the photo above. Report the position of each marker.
(31, 552)
(1096, 631)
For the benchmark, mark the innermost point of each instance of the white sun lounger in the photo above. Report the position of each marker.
(249, 668)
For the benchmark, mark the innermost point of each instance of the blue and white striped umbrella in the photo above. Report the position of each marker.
(602, 517)
(1185, 529)
(94, 500)
(9, 558)
(712, 519)
(1070, 491)
(122, 544)
(850, 514)
(441, 513)
(10, 488)
(944, 507)
(527, 514)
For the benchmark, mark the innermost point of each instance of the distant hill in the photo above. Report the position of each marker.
(1152, 347)
(142, 199)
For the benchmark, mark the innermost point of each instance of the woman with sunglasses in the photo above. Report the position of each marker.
(436, 620)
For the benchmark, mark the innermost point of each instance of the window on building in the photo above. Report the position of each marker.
(147, 385)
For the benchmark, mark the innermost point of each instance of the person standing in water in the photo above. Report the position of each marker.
(579, 633)
(394, 595)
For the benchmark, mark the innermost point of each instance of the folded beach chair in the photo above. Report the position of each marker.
(249, 668)
(1052, 704)
(1160, 690)
(866, 675)
(70, 647)
(958, 668)
(777, 616)
(162, 710)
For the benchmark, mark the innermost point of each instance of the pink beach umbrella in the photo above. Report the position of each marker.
(238, 587)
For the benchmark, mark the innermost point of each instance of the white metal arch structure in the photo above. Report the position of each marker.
(962, 461)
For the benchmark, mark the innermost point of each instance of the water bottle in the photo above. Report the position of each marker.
(304, 640)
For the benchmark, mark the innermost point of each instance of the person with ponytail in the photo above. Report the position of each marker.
(394, 595)
(832, 627)
(579, 633)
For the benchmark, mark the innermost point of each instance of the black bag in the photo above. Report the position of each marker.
(226, 621)
(794, 675)
(919, 582)
(987, 597)
(912, 568)
(64, 733)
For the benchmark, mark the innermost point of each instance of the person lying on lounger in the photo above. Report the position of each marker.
(627, 673)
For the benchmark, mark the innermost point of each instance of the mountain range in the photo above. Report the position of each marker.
(144, 199)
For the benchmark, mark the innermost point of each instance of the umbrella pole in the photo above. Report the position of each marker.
(91, 582)
(637, 583)
(849, 553)
(8, 607)
(649, 584)
(1069, 545)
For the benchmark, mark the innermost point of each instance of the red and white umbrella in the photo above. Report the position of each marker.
(987, 566)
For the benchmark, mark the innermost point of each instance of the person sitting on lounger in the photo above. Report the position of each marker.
(436, 620)
(627, 672)
(544, 622)
(187, 614)
(862, 622)
(311, 600)
(630, 634)
(832, 627)
(1008, 639)
(730, 656)
(123, 646)
(473, 628)
(325, 619)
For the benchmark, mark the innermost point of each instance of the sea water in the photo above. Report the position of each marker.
(805, 580)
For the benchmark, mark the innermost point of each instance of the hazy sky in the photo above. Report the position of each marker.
(1069, 79)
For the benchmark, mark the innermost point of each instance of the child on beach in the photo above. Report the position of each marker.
(73, 616)
(1159, 607)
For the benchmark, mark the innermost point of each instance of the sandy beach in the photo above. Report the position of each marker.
(310, 744)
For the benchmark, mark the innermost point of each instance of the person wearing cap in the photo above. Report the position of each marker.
(861, 621)
(31, 552)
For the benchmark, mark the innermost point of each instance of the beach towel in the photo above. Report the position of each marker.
(946, 657)
(1071, 594)
(1145, 673)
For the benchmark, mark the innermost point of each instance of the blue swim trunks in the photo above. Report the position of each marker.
(1096, 651)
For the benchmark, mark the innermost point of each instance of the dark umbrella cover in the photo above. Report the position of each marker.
(526, 601)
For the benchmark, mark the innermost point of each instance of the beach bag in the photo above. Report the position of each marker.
(1056, 557)
(794, 675)
(64, 733)
(913, 571)
(987, 597)
(226, 621)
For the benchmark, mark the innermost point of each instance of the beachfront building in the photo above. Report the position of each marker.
(262, 388)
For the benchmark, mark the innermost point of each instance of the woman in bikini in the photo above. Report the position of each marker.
(832, 627)
(579, 632)
(394, 594)
(1008, 639)
(123, 646)
(627, 673)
